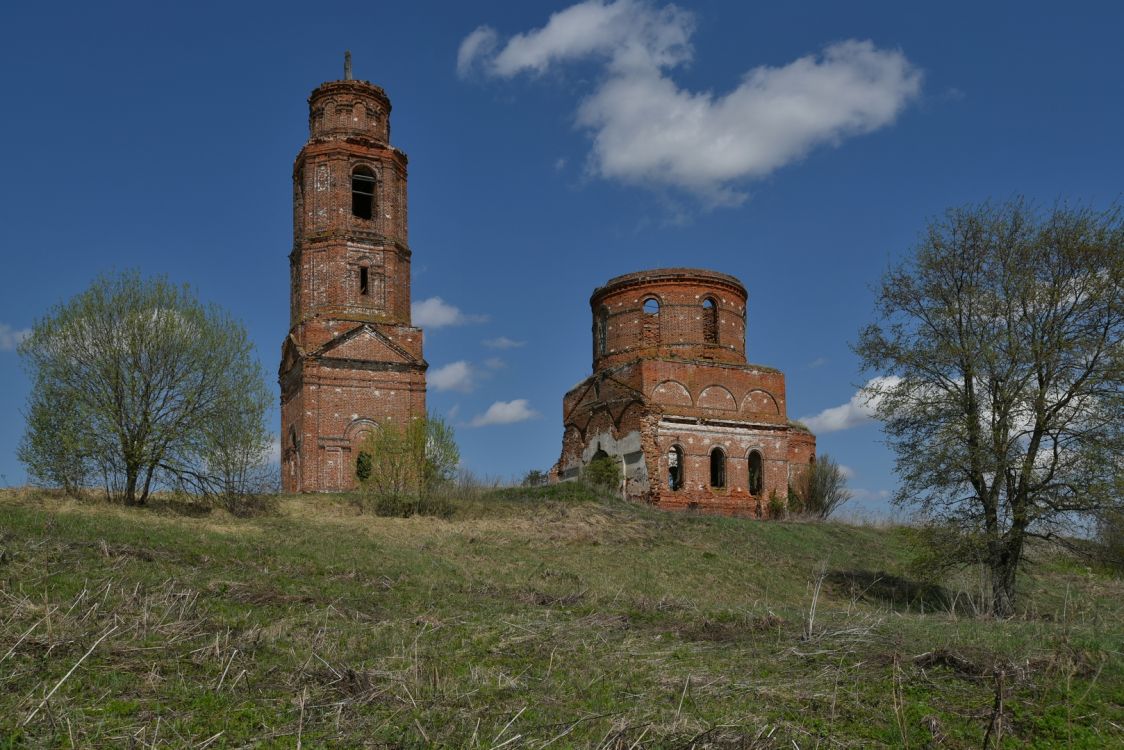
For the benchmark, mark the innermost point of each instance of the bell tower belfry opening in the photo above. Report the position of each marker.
(352, 361)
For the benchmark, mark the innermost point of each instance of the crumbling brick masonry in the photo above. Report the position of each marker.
(672, 398)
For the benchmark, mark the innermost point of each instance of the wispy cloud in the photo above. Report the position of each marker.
(10, 337)
(456, 376)
(817, 362)
(505, 412)
(864, 495)
(503, 342)
(275, 450)
(437, 313)
(857, 411)
(647, 130)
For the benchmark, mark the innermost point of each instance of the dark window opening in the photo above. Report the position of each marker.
(363, 193)
(363, 287)
(675, 468)
(717, 468)
(650, 328)
(710, 321)
(756, 473)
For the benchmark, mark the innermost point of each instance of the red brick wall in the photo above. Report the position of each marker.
(678, 329)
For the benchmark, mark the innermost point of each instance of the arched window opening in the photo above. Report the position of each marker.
(650, 326)
(364, 281)
(710, 321)
(675, 468)
(717, 468)
(756, 473)
(363, 193)
(601, 326)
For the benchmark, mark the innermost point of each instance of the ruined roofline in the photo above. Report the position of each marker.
(611, 371)
(661, 275)
(352, 85)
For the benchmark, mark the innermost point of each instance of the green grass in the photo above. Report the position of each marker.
(530, 618)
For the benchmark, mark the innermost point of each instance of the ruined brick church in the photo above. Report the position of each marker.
(351, 360)
(673, 401)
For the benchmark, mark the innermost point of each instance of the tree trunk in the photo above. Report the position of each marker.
(1003, 586)
(1003, 595)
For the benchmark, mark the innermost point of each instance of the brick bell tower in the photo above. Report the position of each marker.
(352, 360)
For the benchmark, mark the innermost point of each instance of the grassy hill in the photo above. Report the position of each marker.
(528, 619)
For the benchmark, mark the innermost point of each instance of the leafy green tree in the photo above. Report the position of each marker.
(408, 464)
(56, 447)
(999, 351)
(139, 384)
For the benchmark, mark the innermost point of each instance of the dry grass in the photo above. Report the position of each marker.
(524, 622)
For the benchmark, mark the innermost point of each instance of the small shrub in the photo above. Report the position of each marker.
(604, 472)
(795, 502)
(249, 504)
(409, 468)
(391, 505)
(535, 478)
(823, 487)
(435, 504)
(363, 466)
(776, 505)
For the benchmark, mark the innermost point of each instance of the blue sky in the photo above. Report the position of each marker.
(799, 146)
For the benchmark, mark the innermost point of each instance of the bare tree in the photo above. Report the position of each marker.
(999, 351)
(139, 383)
(822, 487)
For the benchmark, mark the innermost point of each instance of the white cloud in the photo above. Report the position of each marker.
(846, 471)
(455, 376)
(817, 362)
(275, 450)
(859, 410)
(494, 363)
(503, 342)
(647, 130)
(505, 412)
(482, 41)
(10, 337)
(437, 313)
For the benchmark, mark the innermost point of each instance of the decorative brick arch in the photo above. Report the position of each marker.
(672, 392)
(359, 429)
(629, 419)
(717, 397)
(601, 421)
(760, 401)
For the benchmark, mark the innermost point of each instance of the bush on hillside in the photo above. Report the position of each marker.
(408, 468)
(604, 473)
(822, 487)
(776, 506)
